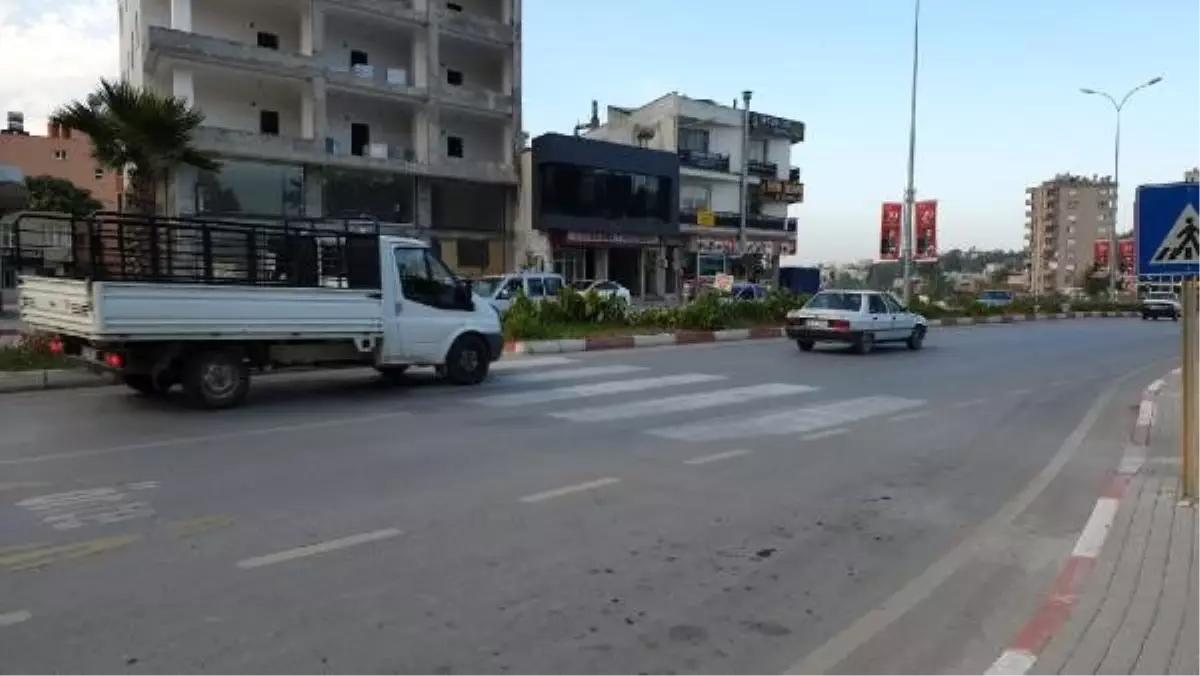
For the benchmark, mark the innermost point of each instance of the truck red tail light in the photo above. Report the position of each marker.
(114, 360)
(56, 346)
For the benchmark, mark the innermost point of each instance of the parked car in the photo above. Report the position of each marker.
(862, 319)
(500, 290)
(602, 287)
(996, 298)
(1161, 304)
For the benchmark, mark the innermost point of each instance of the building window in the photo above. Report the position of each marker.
(268, 122)
(693, 140)
(251, 188)
(572, 190)
(454, 146)
(99, 174)
(695, 197)
(454, 7)
(60, 154)
(473, 253)
(268, 40)
(388, 197)
(357, 58)
(454, 77)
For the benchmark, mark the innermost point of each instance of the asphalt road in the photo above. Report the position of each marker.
(719, 508)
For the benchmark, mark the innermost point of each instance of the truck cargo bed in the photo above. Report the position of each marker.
(139, 311)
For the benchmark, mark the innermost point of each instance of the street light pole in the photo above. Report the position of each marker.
(910, 191)
(745, 173)
(1112, 235)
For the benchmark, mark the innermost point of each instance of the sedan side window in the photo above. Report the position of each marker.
(876, 305)
(553, 286)
(892, 305)
(536, 288)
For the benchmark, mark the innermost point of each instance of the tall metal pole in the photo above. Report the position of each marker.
(1118, 106)
(1190, 385)
(910, 191)
(745, 172)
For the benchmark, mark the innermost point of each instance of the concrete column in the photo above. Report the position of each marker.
(181, 15)
(183, 84)
(510, 145)
(419, 73)
(314, 192)
(602, 264)
(424, 206)
(660, 271)
(307, 15)
(433, 53)
(314, 115)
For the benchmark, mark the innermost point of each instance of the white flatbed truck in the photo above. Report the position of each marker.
(208, 334)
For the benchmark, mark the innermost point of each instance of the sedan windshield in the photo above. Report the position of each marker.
(851, 302)
(581, 284)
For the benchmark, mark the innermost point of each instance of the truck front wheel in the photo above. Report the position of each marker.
(215, 379)
(468, 361)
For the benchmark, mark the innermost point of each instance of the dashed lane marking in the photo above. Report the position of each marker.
(319, 548)
(569, 490)
(16, 617)
(717, 457)
(825, 434)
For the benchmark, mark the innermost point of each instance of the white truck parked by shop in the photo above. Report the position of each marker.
(203, 304)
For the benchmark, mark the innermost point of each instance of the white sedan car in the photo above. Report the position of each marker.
(602, 287)
(859, 318)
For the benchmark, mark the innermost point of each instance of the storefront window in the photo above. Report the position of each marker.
(587, 192)
(251, 188)
(387, 197)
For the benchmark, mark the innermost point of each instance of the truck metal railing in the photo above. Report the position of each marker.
(108, 246)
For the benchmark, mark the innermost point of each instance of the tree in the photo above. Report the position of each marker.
(136, 129)
(49, 193)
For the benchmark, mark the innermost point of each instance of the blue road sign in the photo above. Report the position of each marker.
(1167, 230)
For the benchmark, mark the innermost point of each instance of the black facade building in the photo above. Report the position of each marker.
(609, 211)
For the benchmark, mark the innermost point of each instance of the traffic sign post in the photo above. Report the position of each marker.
(1167, 234)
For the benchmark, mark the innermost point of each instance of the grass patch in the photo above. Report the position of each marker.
(24, 358)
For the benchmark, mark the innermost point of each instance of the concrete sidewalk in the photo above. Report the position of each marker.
(1137, 610)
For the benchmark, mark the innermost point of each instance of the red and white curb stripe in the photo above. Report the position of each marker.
(1056, 607)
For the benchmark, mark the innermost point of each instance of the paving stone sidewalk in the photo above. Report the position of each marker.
(1137, 613)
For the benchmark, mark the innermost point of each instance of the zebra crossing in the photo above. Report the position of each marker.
(567, 391)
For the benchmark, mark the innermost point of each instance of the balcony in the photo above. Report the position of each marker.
(197, 48)
(256, 146)
(397, 11)
(762, 168)
(367, 82)
(704, 161)
(476, 28)
(724, 219)
(782, 191)
(478, 100)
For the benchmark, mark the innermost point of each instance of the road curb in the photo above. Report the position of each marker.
(567, 345)
(1060, 599)
(54, 379)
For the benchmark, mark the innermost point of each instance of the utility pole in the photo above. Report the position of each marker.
(1113, 252)
(910, 191)
(745, 173)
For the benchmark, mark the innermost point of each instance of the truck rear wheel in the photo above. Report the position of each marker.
(468, 361)
(216, 379)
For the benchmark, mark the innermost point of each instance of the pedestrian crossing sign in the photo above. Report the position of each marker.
(1167, 230)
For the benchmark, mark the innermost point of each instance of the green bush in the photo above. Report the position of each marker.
(31, 353)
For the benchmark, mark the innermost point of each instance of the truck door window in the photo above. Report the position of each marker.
(417, 282)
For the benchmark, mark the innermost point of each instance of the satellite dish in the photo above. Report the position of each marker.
(13, 194)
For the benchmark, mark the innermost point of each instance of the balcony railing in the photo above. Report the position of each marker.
(475, 27)
(220, 51)
(401, 11)
(697, 159)
(478, 99)
(762, 168)
(782, 191)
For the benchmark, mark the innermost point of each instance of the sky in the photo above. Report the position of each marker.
(999, 106)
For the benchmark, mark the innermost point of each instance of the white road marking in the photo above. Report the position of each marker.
(568, 490)
(595, 389)
(9, 619)
(574, 374)
(204, 438)
(1096, 531)
(908, 416)
(101, 506)
(1012, 663)
(684, 402)
(319, 548)
(824, 434)
(791, 421)
(503, 365)
(1145, 416)
(968, 403)
(716, 457)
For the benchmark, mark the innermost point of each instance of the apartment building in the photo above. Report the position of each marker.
(406, 111)
(1065, 216)
(1191, 175)
(60, 153)
(707, 137)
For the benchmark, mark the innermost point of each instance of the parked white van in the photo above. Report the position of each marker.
(501, 290)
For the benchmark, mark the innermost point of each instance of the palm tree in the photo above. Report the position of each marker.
(136, 129)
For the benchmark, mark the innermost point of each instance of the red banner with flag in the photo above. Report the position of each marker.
(925, 225)
(1100, 253)
(1126, 251)
(889, 231)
